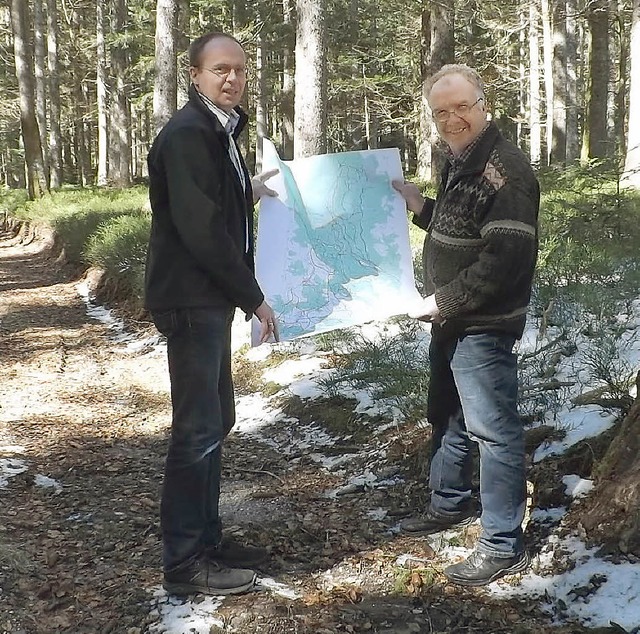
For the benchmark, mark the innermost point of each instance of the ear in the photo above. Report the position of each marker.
(193, 75)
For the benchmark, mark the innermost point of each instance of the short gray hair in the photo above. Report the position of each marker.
(471, 75)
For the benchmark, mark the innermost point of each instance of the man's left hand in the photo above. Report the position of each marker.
(258, 186)
(427, 310)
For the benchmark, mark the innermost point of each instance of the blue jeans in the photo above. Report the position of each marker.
(199, 353)
(473, 397)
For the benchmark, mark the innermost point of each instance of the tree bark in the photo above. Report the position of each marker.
(182, 43)
(101, 96)
(36, 177)
(40, 60)
(288, 83)
(620, 81)
(120, 156)
(81, 151)
(55, 133)
(261, 96)
(595, 141)
(165, 91)
(573, 107)
(310, 118)
(440, 51)
(558, 152)
(631, 175)
(611, 514)
(547, 47)
(535, 143)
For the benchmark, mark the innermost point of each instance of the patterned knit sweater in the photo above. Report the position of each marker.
(481, 245)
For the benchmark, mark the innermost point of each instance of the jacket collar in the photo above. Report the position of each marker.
(196, 101)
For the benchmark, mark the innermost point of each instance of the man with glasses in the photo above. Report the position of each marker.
(199, 269)
(479, 257)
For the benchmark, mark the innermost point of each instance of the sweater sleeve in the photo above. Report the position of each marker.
(196, 207)
(423, 219)
(504, 267)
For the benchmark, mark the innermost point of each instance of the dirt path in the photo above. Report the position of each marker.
(83, 424)
(78, 409)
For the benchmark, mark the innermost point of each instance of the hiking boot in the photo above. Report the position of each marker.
(235, 555)
(479, 568)
(431, 522)
(208, 577)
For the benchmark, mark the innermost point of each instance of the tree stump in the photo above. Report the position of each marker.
(611, 514)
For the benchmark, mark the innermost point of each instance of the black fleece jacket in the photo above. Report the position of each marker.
(197, 253)
(480, 250)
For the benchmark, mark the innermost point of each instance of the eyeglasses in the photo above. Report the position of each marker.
(461, 110)
(224, 71)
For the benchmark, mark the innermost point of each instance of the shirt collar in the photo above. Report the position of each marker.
(457, 161)
(228, 120)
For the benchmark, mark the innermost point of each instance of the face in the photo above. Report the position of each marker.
(221, 75)
(459, 130)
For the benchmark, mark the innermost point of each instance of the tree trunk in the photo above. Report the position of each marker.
(120, 159)
(286, 102)
(441, 50)
(559, 131)
(611, 514)
(81, 150)
(310, 118)
(260, 97)
(370, 119)
(547, 47)
(535, 143)
(425, 130)
(165, 91)
(36, 177)
(631, 176)
(522, 80)
(102, 100)
(55, 134)
(573, 108)
(40, 60)
(182, 43)
(621, 83)
(595, 142)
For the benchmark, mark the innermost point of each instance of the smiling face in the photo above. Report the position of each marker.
(448, 94)
(220, 73)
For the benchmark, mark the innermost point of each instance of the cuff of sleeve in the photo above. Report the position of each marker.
(250, 309)
(423, 219)
(447, 303)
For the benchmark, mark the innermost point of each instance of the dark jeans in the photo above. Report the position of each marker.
(473, 397)
(199, 352)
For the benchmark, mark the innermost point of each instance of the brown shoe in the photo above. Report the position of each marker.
(208, 577)
(235, 555)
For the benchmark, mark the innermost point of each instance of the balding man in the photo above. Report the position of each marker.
(199, 269)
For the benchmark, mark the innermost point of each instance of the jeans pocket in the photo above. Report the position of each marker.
(165, 321)
(505, 343)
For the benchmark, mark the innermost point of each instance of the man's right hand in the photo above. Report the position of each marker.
(411, 194)
(268, 324)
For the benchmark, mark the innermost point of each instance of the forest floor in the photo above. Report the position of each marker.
(84, 423)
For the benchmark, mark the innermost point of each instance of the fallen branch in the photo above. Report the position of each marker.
(273, 475)
(549, 385)
(550, 344)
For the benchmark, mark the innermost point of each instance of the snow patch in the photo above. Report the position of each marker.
(575, 486)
